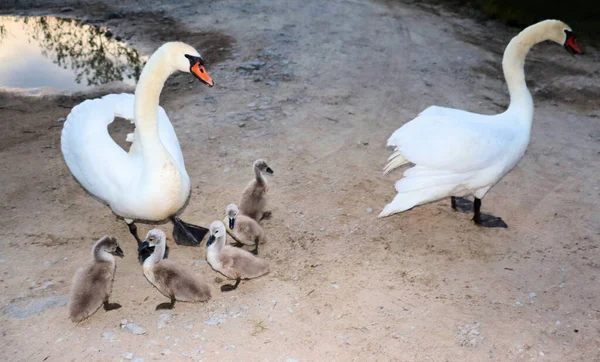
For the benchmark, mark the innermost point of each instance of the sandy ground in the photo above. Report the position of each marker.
(340, 77)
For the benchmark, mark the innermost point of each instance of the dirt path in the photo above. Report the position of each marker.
(338, 78)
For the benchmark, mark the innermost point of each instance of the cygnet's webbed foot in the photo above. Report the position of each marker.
(187, 234)
(165, 305)
(255, 251)
(111, 306)
(490, 221)
(461, 204)
(230, 287)
(486, 220)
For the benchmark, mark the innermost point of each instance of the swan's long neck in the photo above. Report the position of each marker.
(158, 254)
(147, 94)
(259, 177)
(99, 254)
(220, 243)
(513, 63)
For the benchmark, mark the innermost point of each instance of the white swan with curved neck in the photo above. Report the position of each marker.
(459, 153)
(149, 182)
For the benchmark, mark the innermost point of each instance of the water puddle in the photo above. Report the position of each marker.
(64, 54)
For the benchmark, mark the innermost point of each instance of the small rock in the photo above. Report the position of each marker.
(517, 303)
(369, 210)
(532, 295)
(251, 105)
(133, 328)
(108, 335)
(291, 360)
(66, 9)
(166, 352)
(557, 323)
(218, 280)
(335, 286)
(189, 326)
(61, 119)
(128, 355)
(138, 359)
(164, 320)
(290, 310)
(230, 347)
(242, 124)
(542, 354)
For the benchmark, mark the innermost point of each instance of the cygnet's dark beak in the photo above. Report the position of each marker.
(211, 240)
(231, 223)
(269, 170)
(144, 251)
(118, 252)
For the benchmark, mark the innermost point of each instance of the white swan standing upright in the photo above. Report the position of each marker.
(150, 182)
(458, 153)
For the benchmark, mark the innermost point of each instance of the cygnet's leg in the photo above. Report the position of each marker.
(110, 306)
(255, 251)
(230, 287)
(166, 305)
(187, 234)
(486, 220)
(461, 204)
(266, 215)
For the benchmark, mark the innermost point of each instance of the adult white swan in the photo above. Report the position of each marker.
(150, 182)
(458, 153)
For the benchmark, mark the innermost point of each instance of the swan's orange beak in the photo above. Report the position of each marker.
(571, 44)
(200, 72)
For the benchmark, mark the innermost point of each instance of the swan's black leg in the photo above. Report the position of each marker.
(461, 204)
(133, 230)
(187, 234)
(110, 306)
(486, 220)
(166, 305)
(229, 287)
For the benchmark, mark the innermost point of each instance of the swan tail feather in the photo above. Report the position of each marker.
(407, 200)
(421, 185)
(394, 161)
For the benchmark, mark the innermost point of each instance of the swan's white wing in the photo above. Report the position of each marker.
(101, 166)
(454, 140)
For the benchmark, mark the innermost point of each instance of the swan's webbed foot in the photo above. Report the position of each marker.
(461, 204)
(166, 305)
(110, 306)
(490, 221)
(230, 287)
(486, 220)
(187, 234)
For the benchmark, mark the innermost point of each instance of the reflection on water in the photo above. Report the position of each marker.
(62, 53)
